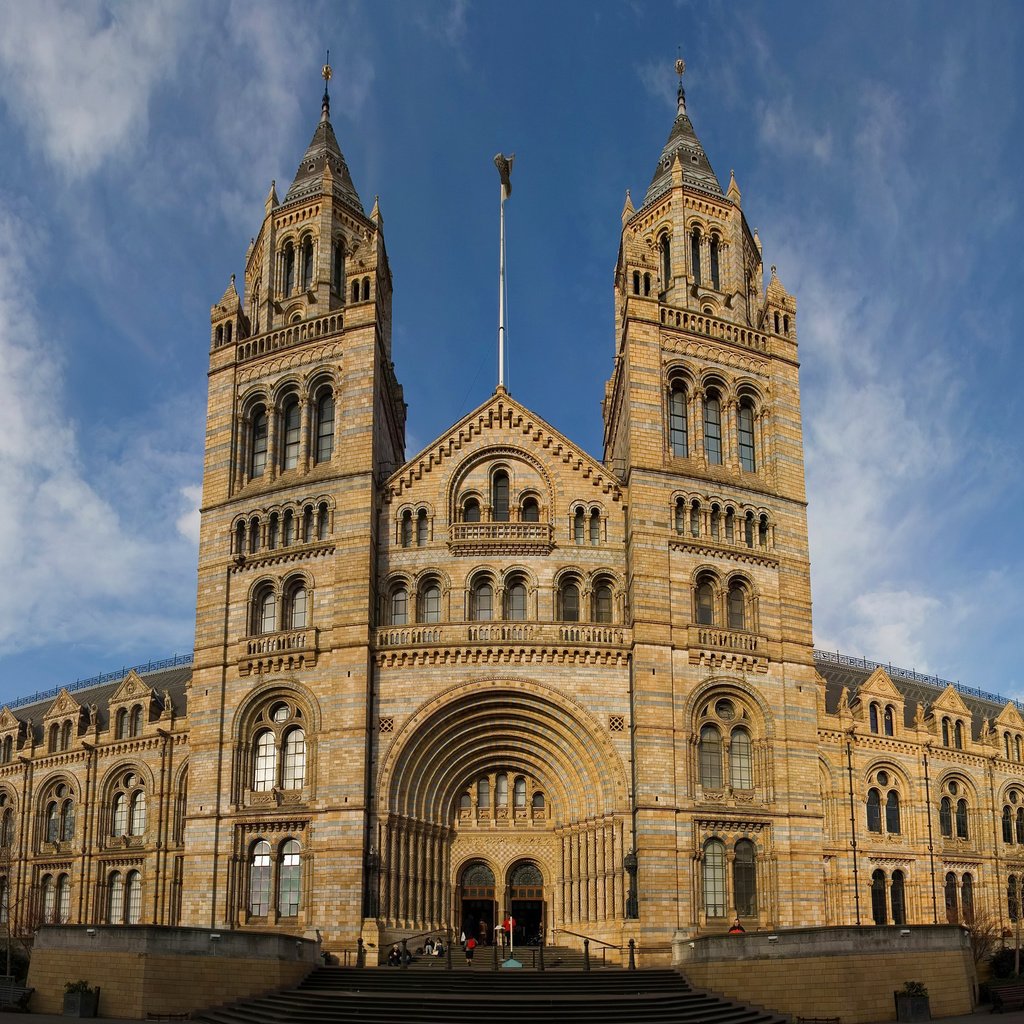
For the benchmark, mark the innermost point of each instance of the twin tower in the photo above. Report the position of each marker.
(504, 675)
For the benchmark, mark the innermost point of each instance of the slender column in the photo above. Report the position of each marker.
(698, 427)
(601, 879)
(385, 873)
(272, 416)
(304, 425)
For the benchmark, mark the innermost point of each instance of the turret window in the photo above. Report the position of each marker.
(745, 422)
(406, 528)
(603, 603)
(677, 434)
(713, 428)
(499, 496)
(325, 427)
(430, 603)
(666, 262)
(569, 602)
(579, 523)
(287, 269)
(715, 281)
(307, 263)
(399, 611)
(695, 255)
(595, 526)
(515, 601)
(258, 461)
(704, 601)
(338, 270)
(291, 435)
(481, 601)
(422, 528)
(737, 602)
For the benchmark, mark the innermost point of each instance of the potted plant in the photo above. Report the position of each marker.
(80, 999)
(912, 1003)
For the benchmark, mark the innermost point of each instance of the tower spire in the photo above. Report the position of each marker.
(325, 106)
(681, 94)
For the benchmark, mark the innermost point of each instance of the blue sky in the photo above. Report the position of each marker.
(878, 147)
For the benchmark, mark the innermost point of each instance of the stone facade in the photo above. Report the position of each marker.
(504, 675)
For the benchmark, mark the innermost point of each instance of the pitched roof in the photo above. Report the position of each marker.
(323, 149)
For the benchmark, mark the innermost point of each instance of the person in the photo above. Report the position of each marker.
(470, 946)
(428, 946)
(736, 928)
(395, 956)
(482, 932)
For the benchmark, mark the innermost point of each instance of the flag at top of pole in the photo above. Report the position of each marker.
(504, 165)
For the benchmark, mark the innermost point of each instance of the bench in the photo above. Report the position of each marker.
(14, 996)
(1006, 996)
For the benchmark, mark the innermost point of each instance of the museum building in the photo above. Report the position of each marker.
(505, 675)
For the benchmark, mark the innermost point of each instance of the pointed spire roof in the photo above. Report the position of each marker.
(683, 142)
(322, 150)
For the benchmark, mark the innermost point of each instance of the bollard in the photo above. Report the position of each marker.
(360, 953)
(632, 954)
(540, 956)
(448, 950)
(586, 954)
(405, 954)
(495, 948)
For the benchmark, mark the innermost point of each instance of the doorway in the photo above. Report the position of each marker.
(526, 903)
(478, 911)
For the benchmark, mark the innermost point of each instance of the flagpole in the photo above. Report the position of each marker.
(501, 290)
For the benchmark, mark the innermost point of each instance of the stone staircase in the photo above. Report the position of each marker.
(425, 995)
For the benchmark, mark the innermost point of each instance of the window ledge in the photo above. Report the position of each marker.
(277, 652)
(716, 647)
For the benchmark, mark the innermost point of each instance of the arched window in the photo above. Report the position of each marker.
(709, 753)
(258, 446)
(666, 263)
(366, 288)
(892, 813)
(322, 521)
(785, 324)
(406, 528)
(289, 880)
(265, 762)
(499, 496)
(945, 732)
(713, 428)
(119, 816)
(422, 528)
(636, 282)
(259, 879)
(519, 792)
(961, 819)
(748, 529)
(63, 899)
(744, 879)
(135, 721)
(134, 901)
(481, 601)
(897, 893)
(67, 821)
(266, 611)
(946, 817)
(122, 724)
(471, 511)
(53, 822)
(288, 535)
(714, 879)
(952, 914)
(307, 263)
(704, 603)
(49, 899)
(254, 535)
(776, 321)
(338, 269)
(958, 735)
(595, 526)
(537, 801)
(483, 792)
(874, 811)
(307, 524)
(677, 433)
(694, 518)
(695, 255)
(515, 601)
(745, 424)
(873, 717)
(603, 603)
(878, 908)
(287, 268)
(355, 290)
(297, 606)
(65, 735)
(647, 284)
(531, 511)
(53, 739)
(579, 526)
(730, 525)
(290, 441)
(115, 899)
(680, 515)
(324, 426)
(1020, 824)
(737, 603)
(501, 790)
(888, 720)
(1017, 744)
(716, 522)
(967, 898)
(741, 773)
(1007, 824)
(430, 603)
(569, 601)
(138, 813)
(7, 829)
(715, 279)
(762, 531)
(294, 774)
(399, 610)
(272, 531)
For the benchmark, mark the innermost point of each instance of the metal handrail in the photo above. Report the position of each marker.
(589, 938)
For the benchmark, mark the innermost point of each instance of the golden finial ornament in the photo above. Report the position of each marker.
(680, 67)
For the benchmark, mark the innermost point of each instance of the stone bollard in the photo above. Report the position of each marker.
(448, 950)
(405, 954)
(632, 954)
(495, 948)
(540, 956)
(586, 954)
(360, 952)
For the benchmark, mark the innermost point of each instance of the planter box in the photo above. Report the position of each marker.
(81, 1004)
(912, 1008)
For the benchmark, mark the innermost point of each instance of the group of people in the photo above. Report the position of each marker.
(432, 947)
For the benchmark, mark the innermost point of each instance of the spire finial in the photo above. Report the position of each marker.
(326, 72)
(681, 95)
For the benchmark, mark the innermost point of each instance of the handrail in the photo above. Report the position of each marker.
(589, 938)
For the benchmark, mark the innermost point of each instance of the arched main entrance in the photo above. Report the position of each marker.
(526, 902)
(478, 909)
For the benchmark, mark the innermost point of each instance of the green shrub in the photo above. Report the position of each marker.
(1002, 962)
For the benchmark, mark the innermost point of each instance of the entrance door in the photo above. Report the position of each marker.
(526, 902)
(478, 911)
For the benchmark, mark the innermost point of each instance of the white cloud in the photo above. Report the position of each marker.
(79, 76)
(188, 522)
(781, 127)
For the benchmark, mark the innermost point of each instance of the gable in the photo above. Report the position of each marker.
(63, 706)
(878, 684)
(8, 720)
(1010, 717)
(131, 688)
(950, 701)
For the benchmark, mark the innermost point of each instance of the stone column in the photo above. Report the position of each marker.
(304, 427)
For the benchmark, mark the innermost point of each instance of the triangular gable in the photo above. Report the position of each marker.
(950, 700)
(131, 688)
(501, 410)
(878, 684)
(63, 706)
(8, 720)
(1010, 717)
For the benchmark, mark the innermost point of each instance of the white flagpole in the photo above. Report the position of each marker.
(501, 293)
